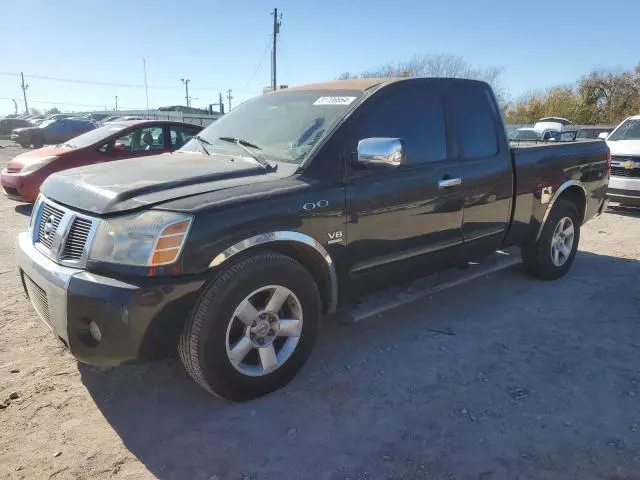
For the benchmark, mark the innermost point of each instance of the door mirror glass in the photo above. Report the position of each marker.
(380, 152)
(603, 135)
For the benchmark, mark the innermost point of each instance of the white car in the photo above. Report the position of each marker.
(624, 143)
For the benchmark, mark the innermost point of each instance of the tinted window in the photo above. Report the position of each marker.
(181, 135)
(476, 130)
(413, 114)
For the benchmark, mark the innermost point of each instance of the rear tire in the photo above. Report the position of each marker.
(240, 342)
(552, 255)
(37, 142)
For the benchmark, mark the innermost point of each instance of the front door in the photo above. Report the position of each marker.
(404, 221)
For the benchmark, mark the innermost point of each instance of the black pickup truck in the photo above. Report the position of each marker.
(296, 203)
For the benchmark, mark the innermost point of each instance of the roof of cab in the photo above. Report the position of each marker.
(355, 84)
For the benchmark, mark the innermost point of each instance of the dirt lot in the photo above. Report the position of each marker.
(518, 379)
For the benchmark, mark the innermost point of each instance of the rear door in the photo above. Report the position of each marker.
(404, 221)
(487, 186)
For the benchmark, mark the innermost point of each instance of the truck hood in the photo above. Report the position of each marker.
(141, 182)
(624, 147)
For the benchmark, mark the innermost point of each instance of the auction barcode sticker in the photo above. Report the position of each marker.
(334, 100)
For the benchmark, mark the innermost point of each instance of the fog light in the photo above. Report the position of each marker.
(95, 332)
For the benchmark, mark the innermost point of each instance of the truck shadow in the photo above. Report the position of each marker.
(380, 391)
(624, 211)
(24, 209)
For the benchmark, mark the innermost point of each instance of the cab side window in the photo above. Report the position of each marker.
(181, 135)
(476, 125)
(416, 116)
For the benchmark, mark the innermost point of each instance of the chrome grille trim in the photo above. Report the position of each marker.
(49, 222)
(76, 239)
(72, 233)
(39, 300)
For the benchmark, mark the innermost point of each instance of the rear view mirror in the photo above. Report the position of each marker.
(381, 152)
(603, 135)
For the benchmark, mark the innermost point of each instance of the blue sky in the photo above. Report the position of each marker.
(222, 45)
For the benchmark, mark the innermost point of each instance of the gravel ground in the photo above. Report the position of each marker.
(522, 379)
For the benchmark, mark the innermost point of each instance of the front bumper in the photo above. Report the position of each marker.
(624, 190)
(19, 187)
(137, 320)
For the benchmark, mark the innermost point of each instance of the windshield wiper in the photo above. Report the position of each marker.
(202, 142)
(243, 144)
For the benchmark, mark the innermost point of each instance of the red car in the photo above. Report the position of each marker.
(23, 176)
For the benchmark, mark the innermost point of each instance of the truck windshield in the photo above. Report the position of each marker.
(285, 125)
(629, 130)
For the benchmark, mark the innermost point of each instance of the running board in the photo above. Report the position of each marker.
(381, 302)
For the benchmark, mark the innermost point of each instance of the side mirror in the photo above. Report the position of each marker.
(119, 147)
(380, 151)
(551, 139)
(603, 135)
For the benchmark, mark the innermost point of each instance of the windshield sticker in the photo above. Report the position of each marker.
(334, 100)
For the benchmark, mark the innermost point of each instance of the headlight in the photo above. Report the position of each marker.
(41, 162)
(144, 239)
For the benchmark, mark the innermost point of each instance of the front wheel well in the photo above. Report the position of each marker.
(309, 259)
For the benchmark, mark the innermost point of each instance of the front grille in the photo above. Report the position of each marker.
(625, 172)
(11, 191)
(50, 215)
(76, 240)
(624, 158)
(38, 298)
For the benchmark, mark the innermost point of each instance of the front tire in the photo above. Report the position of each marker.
(552, 255)
(252, 328)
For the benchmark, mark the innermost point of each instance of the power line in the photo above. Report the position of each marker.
(264, 55)
(107, 84)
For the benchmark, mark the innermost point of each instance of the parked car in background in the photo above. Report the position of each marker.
(97, 117)
(23, 176)
(290, 206)
(592, 133)
(624, 143)
(111, 118)
(131, 117)
(528, 134)
(51, 131)
(8, 124)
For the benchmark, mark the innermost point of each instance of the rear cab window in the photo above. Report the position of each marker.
(475, 121)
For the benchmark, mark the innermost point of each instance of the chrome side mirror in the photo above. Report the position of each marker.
(380, 152)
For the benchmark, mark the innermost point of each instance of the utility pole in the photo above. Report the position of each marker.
(116, 103)
(229, 97)
(276, 31)
(186, 89)
(24, 92)
(221, 102)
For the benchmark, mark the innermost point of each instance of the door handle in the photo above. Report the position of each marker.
(449, 182)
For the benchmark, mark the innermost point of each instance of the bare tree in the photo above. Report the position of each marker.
(440, 65)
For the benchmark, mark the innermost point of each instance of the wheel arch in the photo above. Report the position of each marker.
(573, 191)
(303, 248)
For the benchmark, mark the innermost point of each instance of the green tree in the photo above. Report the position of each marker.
(52, 111)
